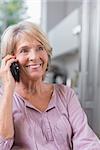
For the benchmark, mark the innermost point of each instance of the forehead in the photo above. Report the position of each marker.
(27, 40)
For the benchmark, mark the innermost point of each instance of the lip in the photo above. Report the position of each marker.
(34, 66)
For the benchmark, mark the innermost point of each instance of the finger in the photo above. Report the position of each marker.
(8, 64)
(7, 58)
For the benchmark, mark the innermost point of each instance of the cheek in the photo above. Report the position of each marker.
(21, 60)
(46, 63)
(46, 57)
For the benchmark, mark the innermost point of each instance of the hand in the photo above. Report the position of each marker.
(5, 73)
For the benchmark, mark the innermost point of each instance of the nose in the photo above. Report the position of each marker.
(32, 55)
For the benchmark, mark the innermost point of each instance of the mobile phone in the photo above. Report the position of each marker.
(15, 70)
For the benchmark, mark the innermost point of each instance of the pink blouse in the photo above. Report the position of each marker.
(62, 126)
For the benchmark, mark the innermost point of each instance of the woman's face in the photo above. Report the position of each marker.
(32, 57)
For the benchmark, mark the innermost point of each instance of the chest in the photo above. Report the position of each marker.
(41, 101)
(48, 127)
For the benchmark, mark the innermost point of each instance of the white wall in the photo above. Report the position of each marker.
(61, 37)
(57, 10)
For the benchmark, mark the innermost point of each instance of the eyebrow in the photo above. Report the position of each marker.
(23, 47)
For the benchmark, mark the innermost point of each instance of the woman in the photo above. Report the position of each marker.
(35, 115)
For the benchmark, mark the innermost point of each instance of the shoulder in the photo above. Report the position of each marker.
(64, 89)
(18, 101)
(64, 92)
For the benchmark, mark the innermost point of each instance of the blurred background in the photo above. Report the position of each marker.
(73, 29)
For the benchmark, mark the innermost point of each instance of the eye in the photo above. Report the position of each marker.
(40, 48)
(24, 50)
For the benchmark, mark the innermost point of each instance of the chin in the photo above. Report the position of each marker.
(36, 77)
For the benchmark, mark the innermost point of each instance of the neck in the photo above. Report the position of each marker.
(30, 87)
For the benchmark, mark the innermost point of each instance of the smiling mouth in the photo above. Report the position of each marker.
(35, 66)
